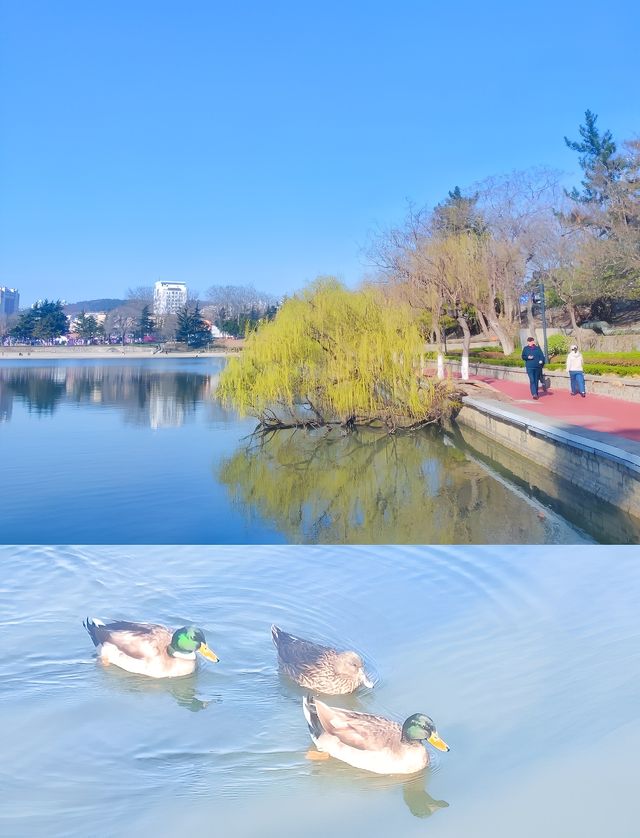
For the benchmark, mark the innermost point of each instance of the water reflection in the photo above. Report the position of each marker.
(375, 488)
(331, 775)
(146, 396)
(127, 485)
(41, 390)
(182, 690)
(418, 801)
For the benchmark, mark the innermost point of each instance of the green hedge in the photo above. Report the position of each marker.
(609, 369)
(620, 359)
(590, 368)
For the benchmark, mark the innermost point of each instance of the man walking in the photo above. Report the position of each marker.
(534, 359)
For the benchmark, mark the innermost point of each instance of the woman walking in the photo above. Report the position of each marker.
(575, 368)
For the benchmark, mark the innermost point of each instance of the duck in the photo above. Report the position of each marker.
(372, 743)
(148, 649)
(318, 668)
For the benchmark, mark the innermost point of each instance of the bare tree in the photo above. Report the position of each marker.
(121, 321)
(237, 299)
(141, 293)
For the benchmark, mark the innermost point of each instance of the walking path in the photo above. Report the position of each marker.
(593, 413)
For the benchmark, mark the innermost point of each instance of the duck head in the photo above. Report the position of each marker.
(350, 665)
(188, 640)
(419, 727)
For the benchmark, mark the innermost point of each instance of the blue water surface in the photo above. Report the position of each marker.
(140, 451)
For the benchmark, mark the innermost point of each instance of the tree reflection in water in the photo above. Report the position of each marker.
(369, 487)
(41, 390)
(159, 398)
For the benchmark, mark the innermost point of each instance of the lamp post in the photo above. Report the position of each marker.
(543, 315)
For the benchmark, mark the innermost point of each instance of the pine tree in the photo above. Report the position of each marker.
(146, 324)
(458, 214)
(45, 321)
(598, 160)
(86, 326)
(191, 328)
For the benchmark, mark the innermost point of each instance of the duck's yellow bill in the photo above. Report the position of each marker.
(438, 743)
(207, 653)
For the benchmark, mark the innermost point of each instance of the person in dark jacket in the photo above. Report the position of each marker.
(534, 359)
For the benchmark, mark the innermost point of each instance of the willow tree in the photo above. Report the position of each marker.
(333, 356)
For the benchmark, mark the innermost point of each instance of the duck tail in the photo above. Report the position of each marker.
(311, 715)
(275, 635)
(92, 624)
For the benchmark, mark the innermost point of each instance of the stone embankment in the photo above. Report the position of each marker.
(559, 441)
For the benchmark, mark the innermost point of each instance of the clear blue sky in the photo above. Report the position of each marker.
(260, 142)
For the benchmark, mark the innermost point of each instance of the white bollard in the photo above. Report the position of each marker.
(464, 368)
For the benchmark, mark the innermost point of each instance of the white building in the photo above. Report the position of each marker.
(9, 300)
(169, 297)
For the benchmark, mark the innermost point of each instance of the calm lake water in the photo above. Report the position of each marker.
(141, 452)
(528, 663)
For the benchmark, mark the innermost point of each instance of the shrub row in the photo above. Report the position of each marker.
(589, 368)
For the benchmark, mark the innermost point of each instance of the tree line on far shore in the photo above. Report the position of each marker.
(234, 310)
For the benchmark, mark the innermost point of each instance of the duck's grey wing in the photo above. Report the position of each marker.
(358, 730)
(136, 640)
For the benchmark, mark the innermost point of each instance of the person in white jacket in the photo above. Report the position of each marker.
(575, 367)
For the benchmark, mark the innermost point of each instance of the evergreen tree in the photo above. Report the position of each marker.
(146, 324)
(86, 326)
(23, 329)
(183, 326)
(607, 214)
(458, 214)
(598, 160)
(191, 328)
(44, 321)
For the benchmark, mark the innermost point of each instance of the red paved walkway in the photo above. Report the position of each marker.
(597, 413)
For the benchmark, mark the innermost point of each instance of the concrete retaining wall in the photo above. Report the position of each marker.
(608, 470)
(603, 520)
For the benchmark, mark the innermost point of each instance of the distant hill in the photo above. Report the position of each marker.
(93, 305)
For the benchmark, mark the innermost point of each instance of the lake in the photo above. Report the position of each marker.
(528, 662)
(141, 452)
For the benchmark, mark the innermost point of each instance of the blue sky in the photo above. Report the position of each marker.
(261, 142)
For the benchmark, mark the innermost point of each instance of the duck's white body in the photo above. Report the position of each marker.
(140, 648)
(369, 742)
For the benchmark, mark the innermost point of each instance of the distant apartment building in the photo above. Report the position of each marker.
(9, 300)
(169, 297)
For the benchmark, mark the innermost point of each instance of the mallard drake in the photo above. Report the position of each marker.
(148, 649)
(319, 668)
(372, 743)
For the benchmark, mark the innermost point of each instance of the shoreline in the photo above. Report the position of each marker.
(87, 353)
